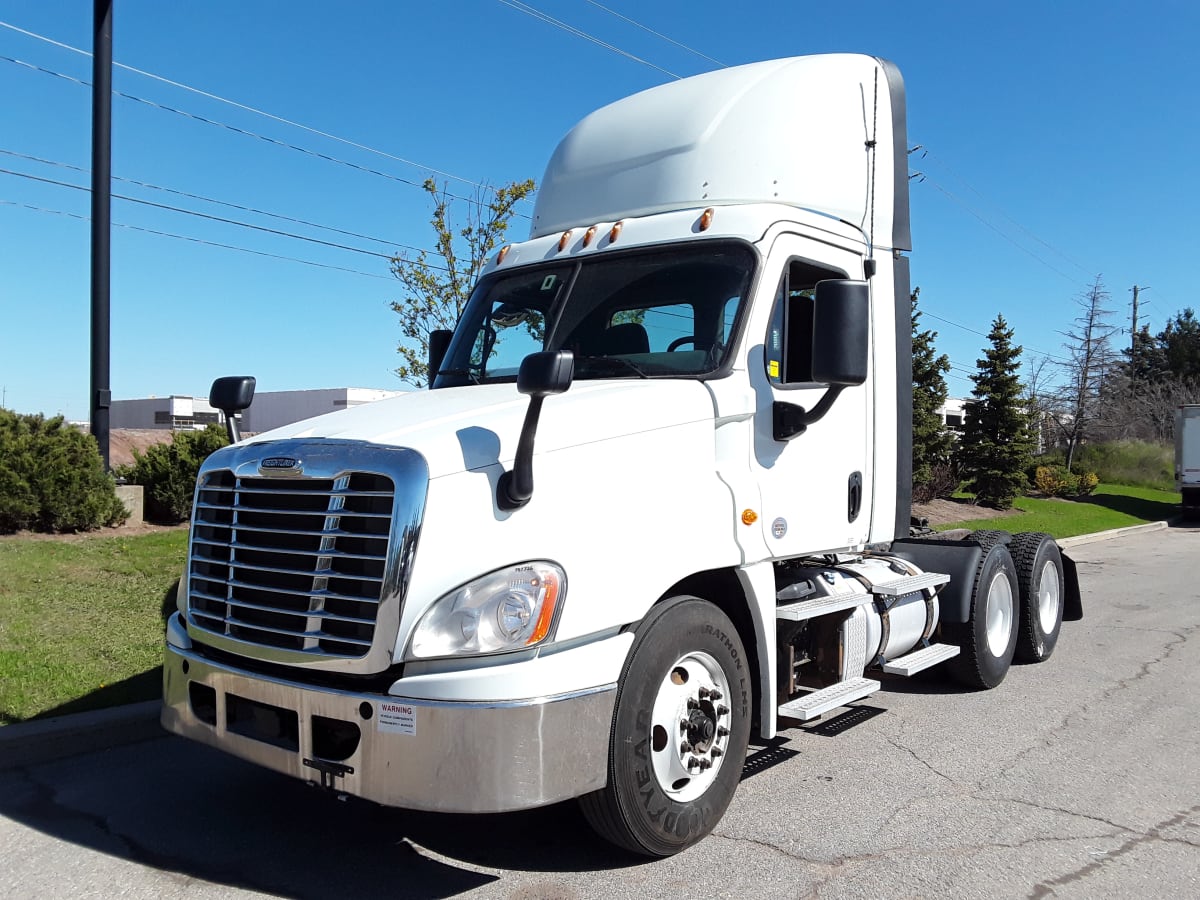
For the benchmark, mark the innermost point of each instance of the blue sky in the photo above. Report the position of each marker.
(1060, 143)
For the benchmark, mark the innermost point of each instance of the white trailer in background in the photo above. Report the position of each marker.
(1187, 458)
(656, 500)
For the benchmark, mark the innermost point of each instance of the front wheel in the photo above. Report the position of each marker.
(679, 732)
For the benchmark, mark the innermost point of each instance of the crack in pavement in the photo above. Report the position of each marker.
(1168, 650)
(916, 756)
(1057, 809)
(1153, 835)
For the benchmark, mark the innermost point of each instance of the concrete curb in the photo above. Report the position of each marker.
(29, 743)
(1079, 539)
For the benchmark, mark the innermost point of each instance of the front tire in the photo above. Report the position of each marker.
(679, 732)
(988, 639)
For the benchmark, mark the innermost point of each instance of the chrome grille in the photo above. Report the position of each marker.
(294, 563)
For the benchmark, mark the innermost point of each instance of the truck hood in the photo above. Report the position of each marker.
(476, 426)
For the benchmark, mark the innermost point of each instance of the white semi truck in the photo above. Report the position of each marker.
(1187, 458)
(656, 501)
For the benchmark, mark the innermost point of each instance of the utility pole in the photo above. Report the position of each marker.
(1133, 326)
(101, 397)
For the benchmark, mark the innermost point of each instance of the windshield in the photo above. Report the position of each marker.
(634, 315)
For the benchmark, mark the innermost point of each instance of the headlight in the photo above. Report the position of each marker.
(509, 609)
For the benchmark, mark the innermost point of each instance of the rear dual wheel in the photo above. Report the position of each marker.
(1040, 576)
(988, 639)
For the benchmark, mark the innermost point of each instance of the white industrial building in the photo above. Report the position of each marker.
(270, 409)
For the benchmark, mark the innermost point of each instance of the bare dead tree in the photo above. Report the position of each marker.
(1091, 359)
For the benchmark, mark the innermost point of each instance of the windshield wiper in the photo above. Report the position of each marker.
(621, 361)
(466, 372)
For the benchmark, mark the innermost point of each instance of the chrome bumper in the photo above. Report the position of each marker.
(439, 756)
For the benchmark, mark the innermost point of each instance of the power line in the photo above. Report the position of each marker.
(196, 240)
(211, 218)
(571, 29)
(225, 203)
(657, 34)
(982, 334)
(242, 131)
(251, 109)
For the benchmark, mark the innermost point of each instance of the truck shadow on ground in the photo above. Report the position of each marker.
(1149, 510)
(184, 808)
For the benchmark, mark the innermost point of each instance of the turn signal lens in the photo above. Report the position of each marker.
(749, 517)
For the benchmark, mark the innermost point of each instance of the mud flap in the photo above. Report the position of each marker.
(1072, 603)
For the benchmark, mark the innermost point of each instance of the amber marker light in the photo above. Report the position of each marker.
(616, 232)
(706, 218)
(562, 241)
(588, 235)
(550, 584)
(503, 253)
(749, 517)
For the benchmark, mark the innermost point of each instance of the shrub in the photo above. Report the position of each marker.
(1087, 483)
(1135, 463)
(168, 471)
(52, 477)
(1056, 481)
(943, 482)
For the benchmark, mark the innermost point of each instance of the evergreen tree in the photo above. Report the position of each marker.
(932, 443)
(996, 445)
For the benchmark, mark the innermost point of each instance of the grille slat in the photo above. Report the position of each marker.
(255, 551)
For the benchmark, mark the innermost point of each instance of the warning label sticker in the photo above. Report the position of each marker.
(397, 718)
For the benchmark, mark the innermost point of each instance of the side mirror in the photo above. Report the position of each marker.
(232, 394)
(439, 343)
(826, 341)
(840, 332)
(541, 375)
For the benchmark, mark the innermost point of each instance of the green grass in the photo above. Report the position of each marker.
(81, 620)
(1111, 506)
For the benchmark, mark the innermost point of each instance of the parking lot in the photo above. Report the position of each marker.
(1075, 778)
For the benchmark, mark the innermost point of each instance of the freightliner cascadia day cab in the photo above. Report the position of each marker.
(656, 501)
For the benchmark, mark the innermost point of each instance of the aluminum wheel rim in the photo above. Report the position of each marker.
(1049, 597)
(999, 614)
(690, 725)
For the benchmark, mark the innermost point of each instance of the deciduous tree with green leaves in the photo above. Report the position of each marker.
(932, 443)
(996, 444)
(437, 283)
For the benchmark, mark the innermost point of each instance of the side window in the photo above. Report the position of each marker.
(665, 326)
(510, 334)
(793, 358)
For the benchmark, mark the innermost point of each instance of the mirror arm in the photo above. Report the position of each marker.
(789, 420)
(516, 485)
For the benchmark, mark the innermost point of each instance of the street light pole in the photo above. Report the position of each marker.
(101, 393)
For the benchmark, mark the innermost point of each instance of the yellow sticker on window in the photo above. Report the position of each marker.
(773, 368)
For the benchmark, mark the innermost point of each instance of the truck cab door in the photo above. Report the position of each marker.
(815, 474)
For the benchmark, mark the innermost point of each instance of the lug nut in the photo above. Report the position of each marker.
(714, 694)
(683, 724)
(692, 704)
(685, 747)
(704, 693)
(705, 764)
(722, 710)
(717, 751)
(722, 731)
(692, 763)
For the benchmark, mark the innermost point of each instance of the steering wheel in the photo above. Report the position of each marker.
(680, 341)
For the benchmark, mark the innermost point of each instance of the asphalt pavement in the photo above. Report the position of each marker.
(1074, 778)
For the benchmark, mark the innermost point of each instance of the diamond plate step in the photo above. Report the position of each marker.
(909, 585)
(921, 659)
(810, 609)
(810, 706)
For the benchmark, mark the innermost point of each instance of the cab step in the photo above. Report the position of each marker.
(920, 659)
(810, 609)
(810, 706)
(909, 585)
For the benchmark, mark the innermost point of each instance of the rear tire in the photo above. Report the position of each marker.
(1040, 575)
(989, 638)
(676, 751)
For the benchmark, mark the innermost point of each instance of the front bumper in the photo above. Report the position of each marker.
(472, 757)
